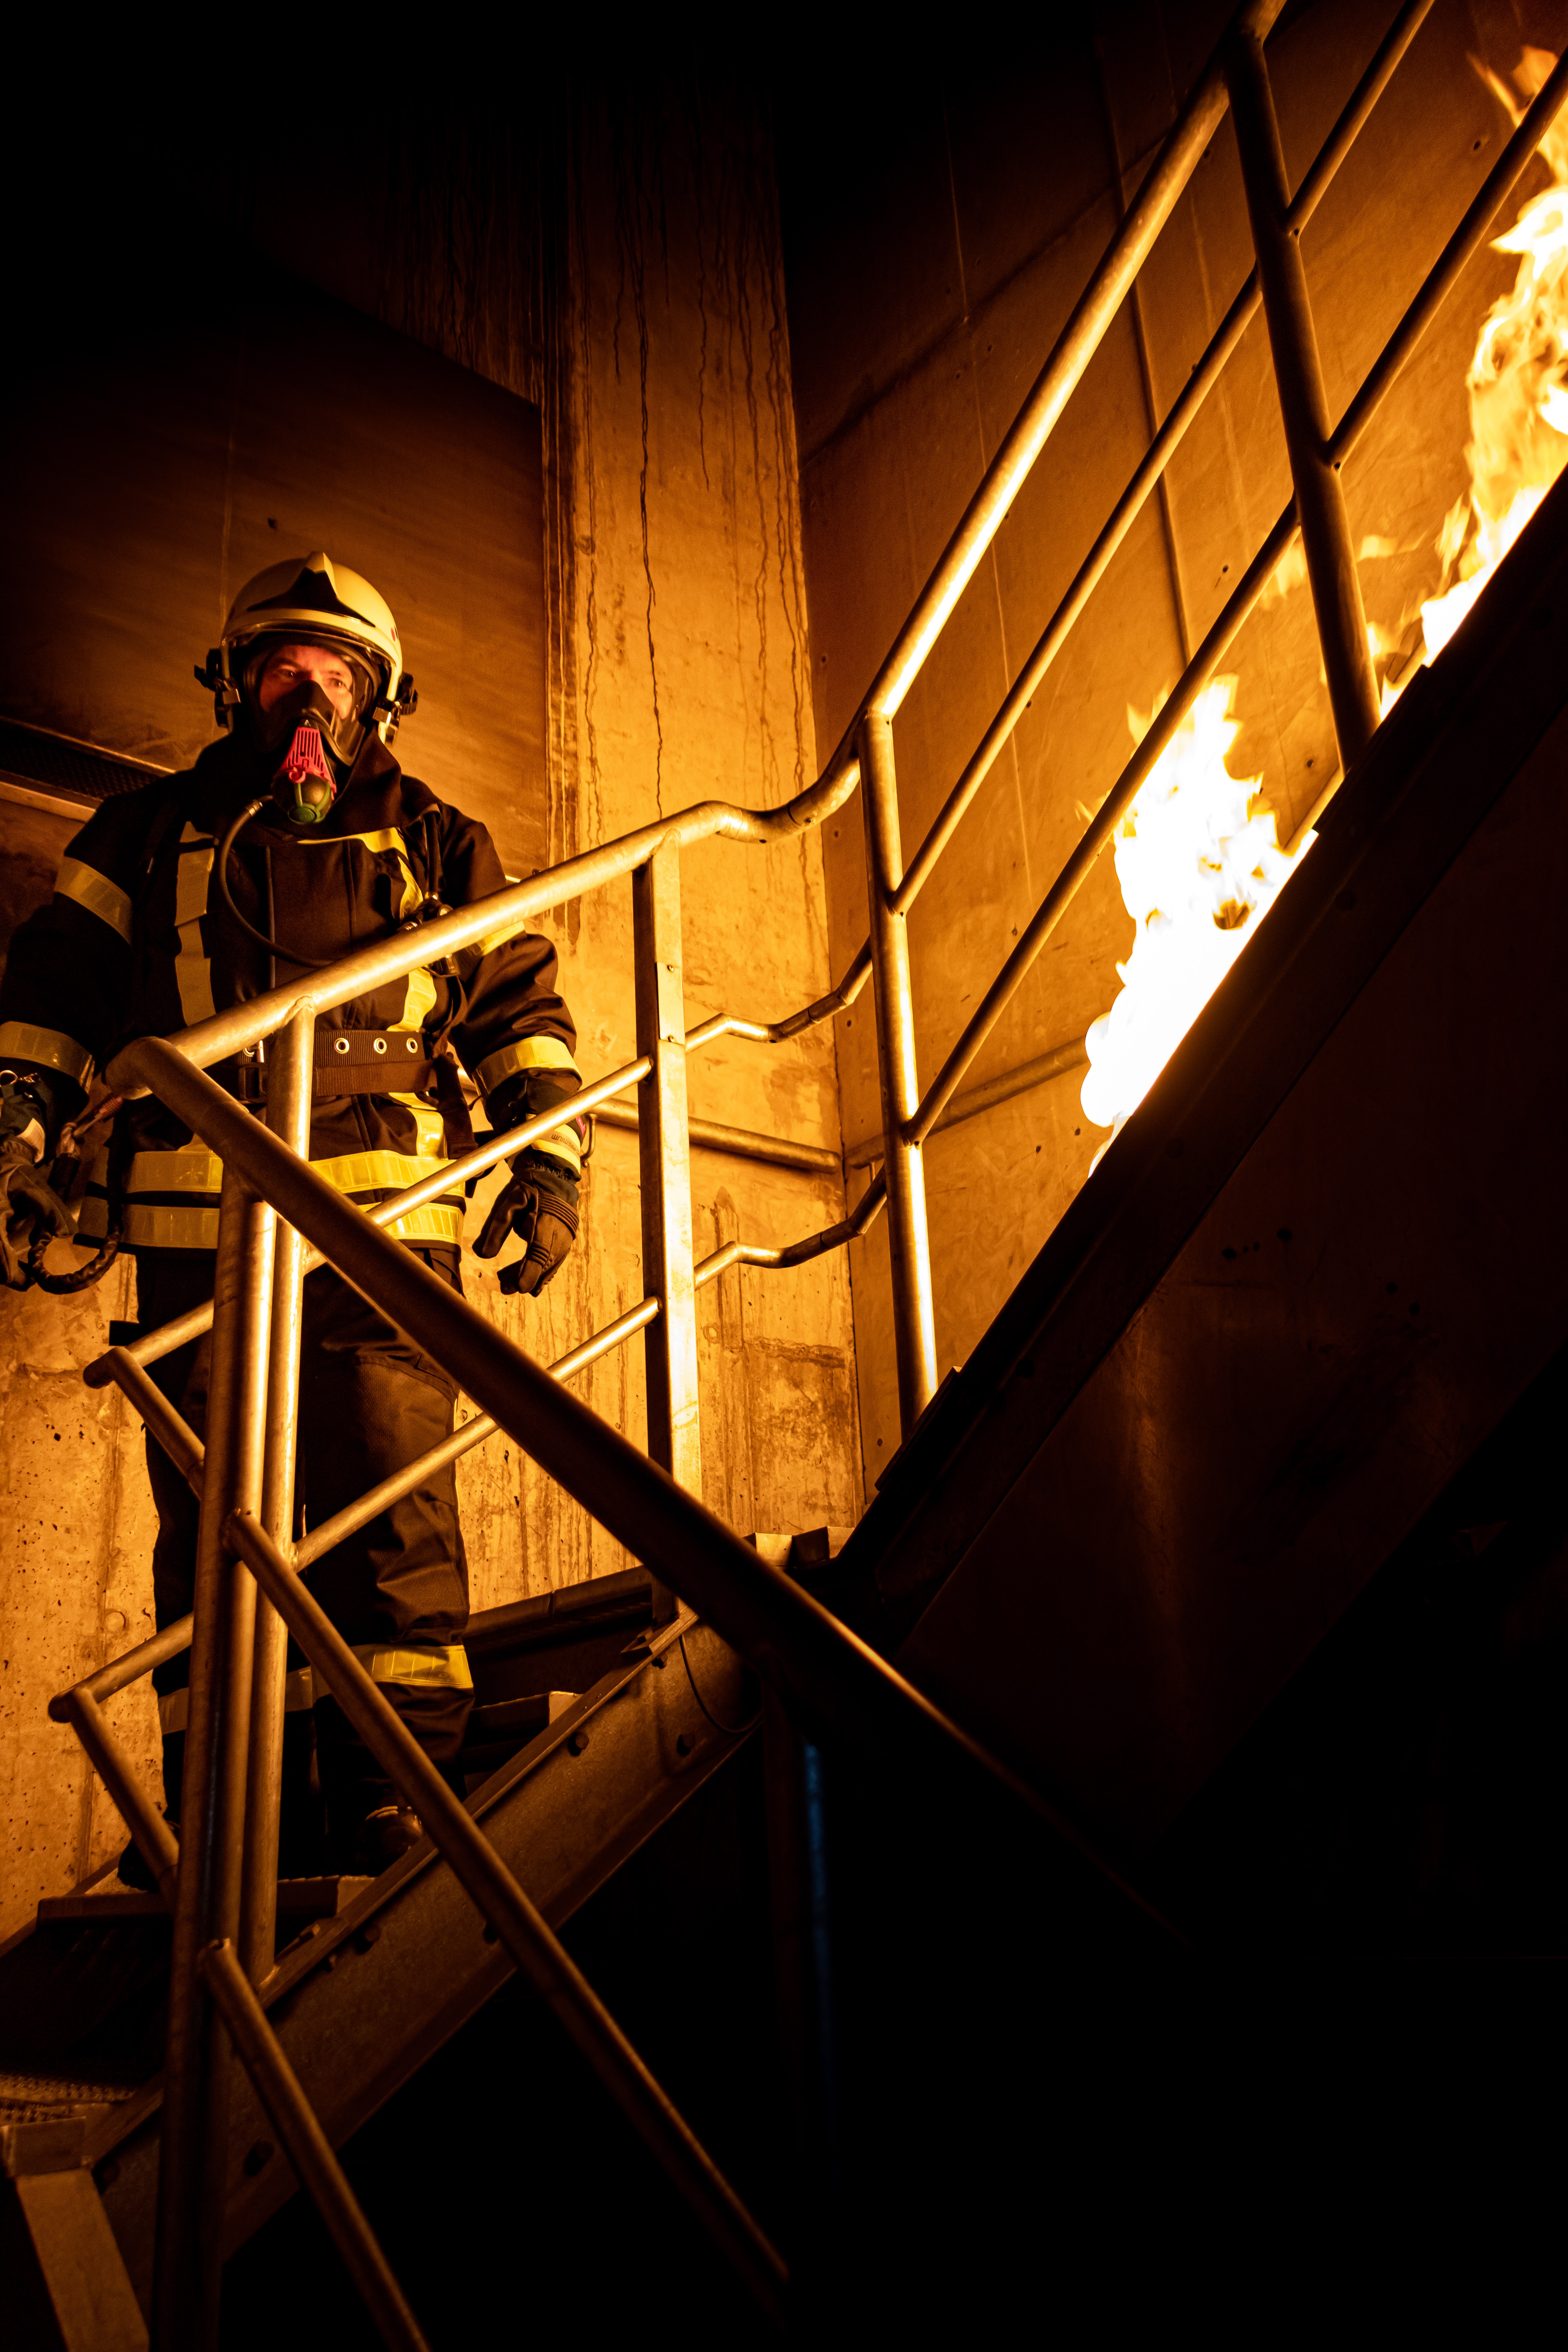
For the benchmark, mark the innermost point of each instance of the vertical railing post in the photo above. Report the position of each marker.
(664, 1152)
(914, 1327)
(193, 2162)
(1303, 403)
(290, 1074)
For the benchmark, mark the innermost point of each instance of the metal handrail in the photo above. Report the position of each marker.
(771, 1620)
(503, 913)
(1461, 247)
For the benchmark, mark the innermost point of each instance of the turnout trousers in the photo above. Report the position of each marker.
(370, 1403)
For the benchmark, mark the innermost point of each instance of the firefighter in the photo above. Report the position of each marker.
(295, 838)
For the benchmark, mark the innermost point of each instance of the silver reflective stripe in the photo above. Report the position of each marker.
(95, 891)
(193, 965)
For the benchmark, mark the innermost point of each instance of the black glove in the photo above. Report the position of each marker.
(540, 1207)
(29, 1201)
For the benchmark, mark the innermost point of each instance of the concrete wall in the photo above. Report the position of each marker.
(926, 289)
(619, 267)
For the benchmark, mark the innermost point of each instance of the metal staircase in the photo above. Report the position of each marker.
(1083, 1613)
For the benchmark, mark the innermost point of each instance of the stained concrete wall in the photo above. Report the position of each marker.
(926, 289)
(618, 265)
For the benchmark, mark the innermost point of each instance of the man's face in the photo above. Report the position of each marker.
(292, 664)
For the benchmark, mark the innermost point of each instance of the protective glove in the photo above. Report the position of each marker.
(28, 1206)
(540, 1207)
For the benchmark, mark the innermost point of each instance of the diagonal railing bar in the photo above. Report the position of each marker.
(153, 1837)
(309, 2149)
(1163, 447)
(1461, 248)
(527, 1937)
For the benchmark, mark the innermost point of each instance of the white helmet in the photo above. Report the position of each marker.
(314, 601)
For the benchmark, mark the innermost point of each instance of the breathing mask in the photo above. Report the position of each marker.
(308, 731)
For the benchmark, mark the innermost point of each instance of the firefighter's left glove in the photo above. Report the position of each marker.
(540, 1207)
(28, 1206)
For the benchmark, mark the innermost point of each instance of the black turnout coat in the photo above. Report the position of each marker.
(138, 942)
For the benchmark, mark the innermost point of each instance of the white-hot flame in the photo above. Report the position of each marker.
(1199, 868)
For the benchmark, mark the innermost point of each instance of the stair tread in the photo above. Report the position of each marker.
(298, 1898)
(37, 2098)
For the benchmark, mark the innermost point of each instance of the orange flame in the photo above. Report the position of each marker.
(1518, 382)
(1196, 854)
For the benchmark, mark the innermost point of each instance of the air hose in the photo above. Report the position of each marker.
(273, 946)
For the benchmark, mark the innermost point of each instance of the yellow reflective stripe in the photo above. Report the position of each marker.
(419, 1000)
(425, 1669)
(148, 1228)
(369, 1171)
(430, 1128)
(434, 1222)
(90, 888)
(298, 1691)
(174, 1708)
(388, 838)
(498, 938)
(528, 1054)
(194, 1169)
(50, 1047)
(193, 968)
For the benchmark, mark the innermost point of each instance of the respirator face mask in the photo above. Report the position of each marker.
(316, 743)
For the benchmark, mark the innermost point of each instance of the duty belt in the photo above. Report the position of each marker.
(355, 1062)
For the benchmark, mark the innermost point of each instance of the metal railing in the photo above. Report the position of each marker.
(278, 1220)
